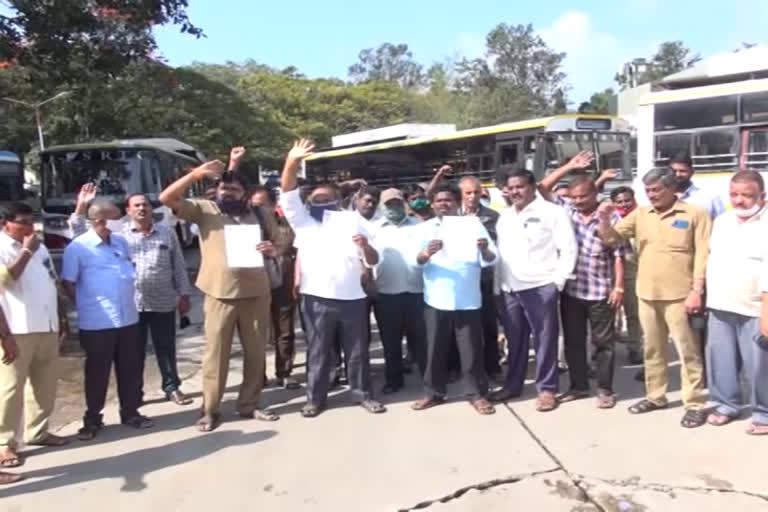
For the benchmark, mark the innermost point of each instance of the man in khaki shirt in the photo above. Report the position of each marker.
(234, 297)
(672, 245)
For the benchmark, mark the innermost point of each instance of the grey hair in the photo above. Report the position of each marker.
(664, 175)
(100, 208)
(469, 179)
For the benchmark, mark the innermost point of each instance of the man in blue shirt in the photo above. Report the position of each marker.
(453, 305)
(687, 191)
(99, 276)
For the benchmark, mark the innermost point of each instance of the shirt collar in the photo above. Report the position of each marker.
(6, 239)
(92, 238)
(677, 207)
(692, 189)
(136, 229)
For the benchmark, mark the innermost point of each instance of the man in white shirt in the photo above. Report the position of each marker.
(29, 299)
(737, 258)
(399, 303)
(333, 301)
(537, 254)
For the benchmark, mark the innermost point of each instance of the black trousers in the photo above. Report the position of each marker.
(489, 312)
(401, 315)
(162, 327)
(283, 309)
(102, 348)
(325, 319)
(465, 329)
(576, 314)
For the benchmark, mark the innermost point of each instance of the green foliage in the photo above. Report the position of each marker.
(671, 57)
(599, 103)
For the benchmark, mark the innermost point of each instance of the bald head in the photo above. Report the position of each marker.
(101, 209)
(471, 191)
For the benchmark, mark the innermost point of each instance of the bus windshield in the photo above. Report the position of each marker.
(611, 149)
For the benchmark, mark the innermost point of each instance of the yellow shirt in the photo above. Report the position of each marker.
(672, 248)
(215, 278)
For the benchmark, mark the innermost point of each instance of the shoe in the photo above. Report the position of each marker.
(138, 422)
(290, 383)
(89, 431)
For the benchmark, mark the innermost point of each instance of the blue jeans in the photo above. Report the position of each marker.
(732, 348)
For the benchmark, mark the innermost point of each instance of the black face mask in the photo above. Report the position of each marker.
(230, 206)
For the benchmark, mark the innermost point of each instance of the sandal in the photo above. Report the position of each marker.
(50, 440)
(757, 429)
(89, 431)
(572, 395)
(138, 422)
(311, 410)
(259, 414)
(606, 400)
(483, 406)
(546, 401)
(372, 406)
(208, 423)
(644, 406)
(9, 478)
(502, 395)
(427, 403)
(10, 459)
(693, 418)
(718, 420)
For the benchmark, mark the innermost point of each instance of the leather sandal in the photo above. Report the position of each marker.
(427, 403)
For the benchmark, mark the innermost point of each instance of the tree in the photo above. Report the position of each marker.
(599, 103)
(671, 57)
(389, 63)
(519, 77)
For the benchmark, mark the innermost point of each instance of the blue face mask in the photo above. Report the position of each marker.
(316, 211)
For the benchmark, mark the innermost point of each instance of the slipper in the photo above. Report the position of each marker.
(259, 414)
(9, 478)
(502, 395)
(757, 429)
(606, 400)
(208, 423)
(372, 406)
(311, 410)
(10, 459)
(483, 406)
(546, 401)
(693, 418)
(50, 440)
(644, 406)
(718, 420)
(427, 403)
(572, 395)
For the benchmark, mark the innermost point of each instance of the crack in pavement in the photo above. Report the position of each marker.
(477, 487)
(636, 483)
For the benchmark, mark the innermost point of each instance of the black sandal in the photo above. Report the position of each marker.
(259, 414)
(693, 418)
(644, 406)
(138, 422)
(311, 410)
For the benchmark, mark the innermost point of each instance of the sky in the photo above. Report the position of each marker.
(323, 38)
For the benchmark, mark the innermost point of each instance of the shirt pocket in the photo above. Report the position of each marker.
(678, 235)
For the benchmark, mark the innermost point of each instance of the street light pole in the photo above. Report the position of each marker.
(38, 117)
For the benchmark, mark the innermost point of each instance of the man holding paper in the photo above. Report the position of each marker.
(454, 251)
(234, 241)
(334, 248)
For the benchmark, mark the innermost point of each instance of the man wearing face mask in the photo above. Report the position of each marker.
(418, 204)
(333, 300)
(399, 304)
(737, 256)
(99, 277)
(234, 297)
(283, 306)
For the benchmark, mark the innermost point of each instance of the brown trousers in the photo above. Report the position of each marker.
(251, 319)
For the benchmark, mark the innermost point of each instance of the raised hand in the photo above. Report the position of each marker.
(605, 210)
(609, 174)
(301, 149)
(582, 160)
(213, 169)
(444, 169)
(236, 153)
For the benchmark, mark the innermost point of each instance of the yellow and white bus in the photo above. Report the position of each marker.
(539, 145)
(724, 127)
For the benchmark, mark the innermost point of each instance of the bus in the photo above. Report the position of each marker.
(118, 169)
(11, 177)
(538, 145)
(724, 127)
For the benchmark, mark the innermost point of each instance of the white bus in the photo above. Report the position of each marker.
(723, 127)
(118, 169)
(11, 177)
(538, 145)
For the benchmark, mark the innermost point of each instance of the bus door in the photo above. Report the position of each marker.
(754, 143)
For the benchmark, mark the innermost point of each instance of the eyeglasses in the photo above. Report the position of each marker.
(23, 222)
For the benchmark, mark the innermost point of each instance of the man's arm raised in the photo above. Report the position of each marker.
(300, 150)
(580, 161)
(173, 195)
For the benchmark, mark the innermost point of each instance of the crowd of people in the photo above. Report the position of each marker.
(436, 267)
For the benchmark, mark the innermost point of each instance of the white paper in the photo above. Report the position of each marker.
(459, 236)
(338, 229)
(240, 241)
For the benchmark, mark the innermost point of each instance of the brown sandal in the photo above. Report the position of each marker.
(757, 429)
(483, 406)
(9, 478)
(572, 395)
(546, 401)
(50, 440)
(427, 403)
(10, 459)
(208, 423)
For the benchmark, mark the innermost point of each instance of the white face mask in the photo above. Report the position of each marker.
(116, 226)
(745, 214)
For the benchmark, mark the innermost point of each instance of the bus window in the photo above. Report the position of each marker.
(754, 107)
(715, 150)
(669, 144)
(756, 156)
(683, 115)
(508, 153)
